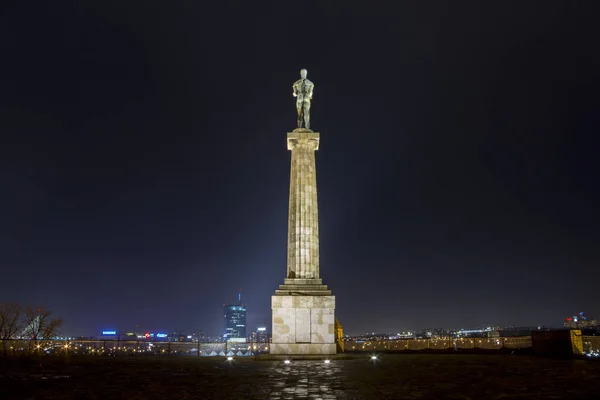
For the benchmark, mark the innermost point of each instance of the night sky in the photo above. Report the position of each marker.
(145, 176)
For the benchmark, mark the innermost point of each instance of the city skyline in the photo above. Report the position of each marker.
(249, 329)
(145, 174)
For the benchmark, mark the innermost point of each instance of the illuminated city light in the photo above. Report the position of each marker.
(229, 358)
(373, 358)
(327, 361)
(287, 361)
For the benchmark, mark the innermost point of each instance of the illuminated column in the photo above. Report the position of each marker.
(303, 309)
(303, 222)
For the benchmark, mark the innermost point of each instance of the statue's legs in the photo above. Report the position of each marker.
(300, 113)
(306, 112)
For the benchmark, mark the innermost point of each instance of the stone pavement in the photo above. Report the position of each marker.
(308, 380)
(391, 376)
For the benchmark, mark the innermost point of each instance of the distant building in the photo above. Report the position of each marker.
(579, 321)
(211, 338)
(260, 336)
(235, 323)
(109, 334)
(402, 335)
(516, 331)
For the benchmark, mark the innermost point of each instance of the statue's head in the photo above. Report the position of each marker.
(303, 73)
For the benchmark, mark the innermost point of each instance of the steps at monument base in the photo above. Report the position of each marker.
(301, 281)
(302, 292)
(303, 287)
(316, 290)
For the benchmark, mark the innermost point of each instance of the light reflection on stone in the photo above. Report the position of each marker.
(304, 379)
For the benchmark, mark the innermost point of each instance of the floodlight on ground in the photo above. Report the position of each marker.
(327, 361)
(373, 357)
(229, 358)
(287, 361)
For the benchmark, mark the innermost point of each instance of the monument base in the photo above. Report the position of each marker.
(303, 287)
(303, 348)
(303, 324)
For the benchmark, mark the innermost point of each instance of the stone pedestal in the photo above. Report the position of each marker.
(303, 308)
(303, 324)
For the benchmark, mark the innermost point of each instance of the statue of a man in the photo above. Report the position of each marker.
(303, 92)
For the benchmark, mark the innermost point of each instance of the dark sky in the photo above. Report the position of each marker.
(144, 170)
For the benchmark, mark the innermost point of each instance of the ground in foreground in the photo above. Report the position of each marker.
(400, 376)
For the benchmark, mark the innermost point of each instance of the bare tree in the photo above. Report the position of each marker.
(40, 326)
(10, 323)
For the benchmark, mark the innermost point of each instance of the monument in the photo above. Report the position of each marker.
(303, 308)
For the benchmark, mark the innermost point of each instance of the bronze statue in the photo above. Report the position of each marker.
(303, 92)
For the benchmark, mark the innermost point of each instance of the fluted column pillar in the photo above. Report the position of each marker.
(303, 221)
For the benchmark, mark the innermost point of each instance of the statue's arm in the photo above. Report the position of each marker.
(295, 90)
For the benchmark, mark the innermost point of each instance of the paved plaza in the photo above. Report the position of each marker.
(400, 376)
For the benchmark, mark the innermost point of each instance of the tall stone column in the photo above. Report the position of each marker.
(303, 308)
(303, 222)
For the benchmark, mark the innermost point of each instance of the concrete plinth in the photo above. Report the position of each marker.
(302, 349)
(303, 324)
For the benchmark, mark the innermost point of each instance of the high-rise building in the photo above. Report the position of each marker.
(235, 323)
